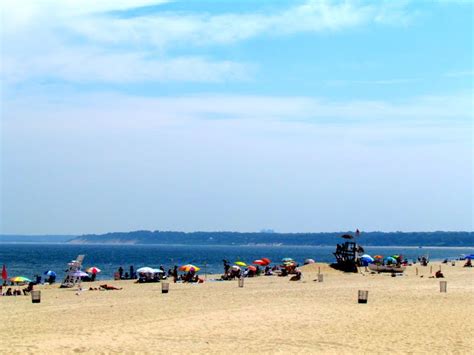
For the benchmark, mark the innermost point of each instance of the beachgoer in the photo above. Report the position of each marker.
(9, 292)
(226, 266)
(109, 287)
(175, 273)
(439, 274)
(468, 263)
(120, 270)
(132, 272)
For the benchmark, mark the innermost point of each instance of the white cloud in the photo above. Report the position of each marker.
(116, 110)
(78, 41)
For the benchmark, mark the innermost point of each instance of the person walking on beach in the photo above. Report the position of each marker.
(175, 273)
(120, 270)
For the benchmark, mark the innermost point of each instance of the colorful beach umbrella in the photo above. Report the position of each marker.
(20, 279)
(252, 268)
(93, 270)
(240, 263)
(378, 257)
(268, 261)
(4, 272)
(189, 267)
(259, 262)
(50, 273)
(284, 260)
(78, 273)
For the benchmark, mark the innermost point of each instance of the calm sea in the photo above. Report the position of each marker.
(32, 259)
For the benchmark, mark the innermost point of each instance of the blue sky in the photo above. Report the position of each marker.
(236, 115)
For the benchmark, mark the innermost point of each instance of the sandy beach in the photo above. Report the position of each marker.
(405, 314)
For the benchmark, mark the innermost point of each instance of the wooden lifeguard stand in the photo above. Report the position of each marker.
(74, 266)
(347, 255)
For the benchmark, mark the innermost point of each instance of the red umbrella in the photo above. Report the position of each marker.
(4, 273)
(268, 261)
(259, 262)
(253, 268)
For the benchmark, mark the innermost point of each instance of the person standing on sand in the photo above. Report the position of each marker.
(120, 270)
(175, 273)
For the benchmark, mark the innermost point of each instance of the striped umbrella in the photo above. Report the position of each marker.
(189, 267)
(19, 279)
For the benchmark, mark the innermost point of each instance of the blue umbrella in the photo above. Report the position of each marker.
(50, 273)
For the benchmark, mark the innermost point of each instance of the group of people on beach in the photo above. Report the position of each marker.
(17, 291)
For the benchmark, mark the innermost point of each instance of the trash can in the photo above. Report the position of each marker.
(35, 296)
(241, 282)
(320, 277)
(165, 287)
(443, 285)
(363, 296)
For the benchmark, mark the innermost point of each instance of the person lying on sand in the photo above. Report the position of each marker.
(109, 287)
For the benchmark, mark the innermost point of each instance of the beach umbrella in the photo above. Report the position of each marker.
(259, 262)
(4, 272)
(378, 257)
(390, 259)
(50, 273)
(469, 256)
(268, 261)
(240, 263)
(189, 267)
(19, 279)
(235, 267)
(251, 267)
(309, 261)
(286, 260)
(93, 270)
(157, 271)
(145, 270)
(78, 273)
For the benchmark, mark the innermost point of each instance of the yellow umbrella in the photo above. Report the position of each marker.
(19, 279)
(240, 263)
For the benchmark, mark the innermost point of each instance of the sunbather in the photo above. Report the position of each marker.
(109, 287)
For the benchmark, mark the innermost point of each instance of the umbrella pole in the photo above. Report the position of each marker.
(205, 270)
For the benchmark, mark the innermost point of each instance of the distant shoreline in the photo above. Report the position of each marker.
(236, 245)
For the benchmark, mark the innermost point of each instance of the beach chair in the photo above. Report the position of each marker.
(70, 280)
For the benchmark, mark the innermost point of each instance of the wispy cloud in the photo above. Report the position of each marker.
(80, 41)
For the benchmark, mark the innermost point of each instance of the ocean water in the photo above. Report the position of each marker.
(32, 259)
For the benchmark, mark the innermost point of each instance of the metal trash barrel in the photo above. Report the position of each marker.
(363, 296)
(241, 282)
(320, 277)
(35, 296)
(165, 287)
